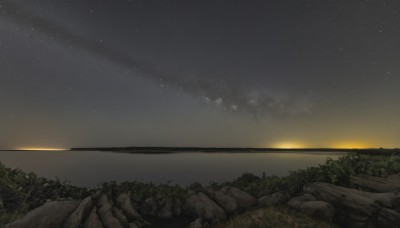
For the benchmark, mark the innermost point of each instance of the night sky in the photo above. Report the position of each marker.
(225, 73)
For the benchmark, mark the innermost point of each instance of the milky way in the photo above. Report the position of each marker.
(316, 72)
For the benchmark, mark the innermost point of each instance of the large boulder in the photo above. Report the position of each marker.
(354, 208)
(377, 184)
(201, 206)
(318, 209)
(125, 204)
(243, 199)
(278, 198)
(106, 215)
(119, 215)
(388, 218)
(227, 202)
(308, 204)
(296, 202)
(199, 223)
(80, 213)
(93, 221)
(50, 215)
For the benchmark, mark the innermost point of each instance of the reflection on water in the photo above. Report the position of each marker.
(88, 168)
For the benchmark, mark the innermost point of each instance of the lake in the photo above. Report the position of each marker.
(89, 168)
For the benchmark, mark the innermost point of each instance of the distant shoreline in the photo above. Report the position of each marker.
(156, 150)
(170, 150)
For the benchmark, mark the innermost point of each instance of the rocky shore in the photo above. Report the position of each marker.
(366, 195)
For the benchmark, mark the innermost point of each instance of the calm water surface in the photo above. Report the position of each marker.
(88, 168)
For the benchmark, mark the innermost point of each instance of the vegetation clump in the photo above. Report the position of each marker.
(21, 192)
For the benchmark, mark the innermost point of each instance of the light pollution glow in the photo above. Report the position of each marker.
(41, 149)
(289, 145)
(335, 145)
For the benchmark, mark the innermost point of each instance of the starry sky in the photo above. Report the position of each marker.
(213, 73)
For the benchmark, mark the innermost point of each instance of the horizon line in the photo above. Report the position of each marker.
(196, 147)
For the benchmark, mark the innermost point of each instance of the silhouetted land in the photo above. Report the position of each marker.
(154, 150)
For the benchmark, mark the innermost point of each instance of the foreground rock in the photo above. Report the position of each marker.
(377, 184)
(296, 202)
(244, 200)
(355, 208)
(344, 206)
(228, 203)
(93, 221)
(198, 223)
(273, 200)
(106, 215)
(201, 206)
(308, 204)
(320, 210)
(50, 215)
(124, 202)
(80, 213)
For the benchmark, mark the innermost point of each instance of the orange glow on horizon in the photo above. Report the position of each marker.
(289, 145)
(335, 145)
(41, 149)
(351, 145)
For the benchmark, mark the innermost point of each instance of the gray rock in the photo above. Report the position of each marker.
(200, 205)
(50, 215)
(120, 216)
(198, 223)
(125, 204)
(102, 200)
(243, 199)
(227, 202)
(377, 184)
(296, 202)
(278, 198)
(308, 204)
(106, 215)
(318, 209)
(93, 221)
(80, 213)
(353, 207)
(388, 218)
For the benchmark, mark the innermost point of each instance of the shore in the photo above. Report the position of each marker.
(312, 196)
(155, 150)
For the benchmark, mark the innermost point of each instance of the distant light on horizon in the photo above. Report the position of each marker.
(289, 145)
(41, 149)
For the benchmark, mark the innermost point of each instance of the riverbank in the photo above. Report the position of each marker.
(305, 191)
